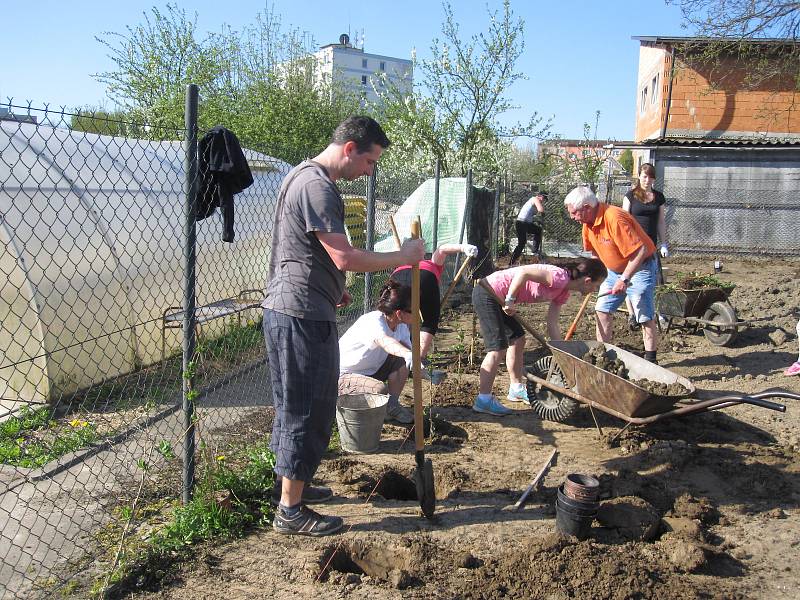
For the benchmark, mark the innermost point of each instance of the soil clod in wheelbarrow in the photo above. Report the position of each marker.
(609, 361)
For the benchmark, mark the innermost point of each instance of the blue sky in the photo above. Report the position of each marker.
(579, 55)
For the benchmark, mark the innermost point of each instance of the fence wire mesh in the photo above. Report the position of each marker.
(91, 373)
(91, 321)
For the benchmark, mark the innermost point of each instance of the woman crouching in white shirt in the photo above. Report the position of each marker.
(375, 353)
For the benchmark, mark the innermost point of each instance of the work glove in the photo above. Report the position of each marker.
(469, 250)
(423, 363)
(664, 251)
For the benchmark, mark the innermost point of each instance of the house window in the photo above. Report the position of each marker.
(643, 101)
(363, 63)
(383, 66)
(363, 80)
(654, 87)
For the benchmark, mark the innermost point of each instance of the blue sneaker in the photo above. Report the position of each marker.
(490, 407)
(519, 394)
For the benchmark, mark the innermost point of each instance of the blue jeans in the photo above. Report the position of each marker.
(303, 360)
(642, 292)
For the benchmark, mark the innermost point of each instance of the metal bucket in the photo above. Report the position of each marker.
(359, 418)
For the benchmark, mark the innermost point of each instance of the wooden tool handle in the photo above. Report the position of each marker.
(519, 319)
(394, 231)
(574, 325)
(455, 281)
(581, 310)
(419, 434)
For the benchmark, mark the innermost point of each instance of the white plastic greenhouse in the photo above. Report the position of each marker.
(91, 254)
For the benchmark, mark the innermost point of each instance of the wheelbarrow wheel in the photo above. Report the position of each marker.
(549, 405)
(723, 314)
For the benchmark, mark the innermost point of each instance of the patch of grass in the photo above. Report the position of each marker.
(335, 444)
(237, 338)
(230, 499)
(33, 438)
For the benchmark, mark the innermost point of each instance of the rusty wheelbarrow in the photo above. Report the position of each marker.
(704, 308)
(573, 381)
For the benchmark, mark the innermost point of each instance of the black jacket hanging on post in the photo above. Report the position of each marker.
(223, 172)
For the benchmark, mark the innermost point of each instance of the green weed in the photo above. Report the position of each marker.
(230, 498)
(32, 438)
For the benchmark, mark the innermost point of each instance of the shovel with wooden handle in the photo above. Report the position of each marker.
(399, 245)
(423, 474)
(455, 280)
(581, 310)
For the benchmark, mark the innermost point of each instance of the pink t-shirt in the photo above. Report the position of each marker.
(533, 291)
(425, 265)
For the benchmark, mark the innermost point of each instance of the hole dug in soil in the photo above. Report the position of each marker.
(359, 561)
(391, 485)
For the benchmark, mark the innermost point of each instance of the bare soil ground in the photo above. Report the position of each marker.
(705, 506)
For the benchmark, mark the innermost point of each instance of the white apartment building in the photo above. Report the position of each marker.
(360, 71)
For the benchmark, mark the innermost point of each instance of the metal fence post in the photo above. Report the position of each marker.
(464, 224)
(190, 189)
(437, 179)
(370, 243)
(496, 220)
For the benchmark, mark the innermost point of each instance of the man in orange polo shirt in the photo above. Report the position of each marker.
(628, 253)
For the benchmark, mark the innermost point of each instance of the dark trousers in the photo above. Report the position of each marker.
(303, 360)
(523, 230)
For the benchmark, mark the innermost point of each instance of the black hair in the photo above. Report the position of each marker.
(589, 267)
(542, 193)
(364, 131)
(394, 296)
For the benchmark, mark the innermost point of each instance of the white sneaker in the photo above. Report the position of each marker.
(518, 395)
(490, 407)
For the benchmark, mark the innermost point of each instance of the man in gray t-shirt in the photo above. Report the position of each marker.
(310, 253)
(304, 281)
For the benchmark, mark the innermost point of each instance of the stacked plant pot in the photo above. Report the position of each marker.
(577, 504)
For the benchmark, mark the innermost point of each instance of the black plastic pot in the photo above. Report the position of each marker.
(570, 523)
(582, 512)
(574, 504)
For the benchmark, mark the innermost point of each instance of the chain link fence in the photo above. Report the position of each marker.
(111, 392)
(94, 368)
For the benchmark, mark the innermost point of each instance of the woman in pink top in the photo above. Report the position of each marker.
(501, 332)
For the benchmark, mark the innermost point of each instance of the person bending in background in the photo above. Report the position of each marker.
(501, 332)
(794, 368)
(430, 274)
(375, 352)
(529, 222)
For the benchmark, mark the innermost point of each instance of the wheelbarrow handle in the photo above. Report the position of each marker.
(776, 393)
(725, 401)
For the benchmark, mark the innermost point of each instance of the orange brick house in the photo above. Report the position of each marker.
(676, 100)
(726, 153)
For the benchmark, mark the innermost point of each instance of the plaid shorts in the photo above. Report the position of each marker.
(303, 360)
